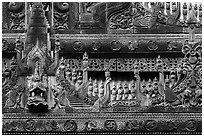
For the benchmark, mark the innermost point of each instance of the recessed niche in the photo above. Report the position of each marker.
(96, 75)
(148, 75)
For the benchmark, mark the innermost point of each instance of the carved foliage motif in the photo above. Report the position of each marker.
(12, 91)
(17, 15)
(70, 126)
(192, 66)
(61, 15)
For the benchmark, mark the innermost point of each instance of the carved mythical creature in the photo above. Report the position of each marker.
(143, 16)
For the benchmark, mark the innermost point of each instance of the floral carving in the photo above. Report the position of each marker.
(61, 20)
(96, 45)
(91, 126)
(172, 125)
(51, 126)
(70, 126)
(78, 45)
(152, 45)
(116, 45)
(151, 125)
(171, 45)
(132, 125)
(61, 15)
(110, 125)
(122, 21)
(191, 125)
(17, 15)
(30, 125)
(133, 45)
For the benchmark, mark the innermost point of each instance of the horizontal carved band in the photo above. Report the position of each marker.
(157, 123)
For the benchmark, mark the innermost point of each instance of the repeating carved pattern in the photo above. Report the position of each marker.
(108, 126)
(147, 64)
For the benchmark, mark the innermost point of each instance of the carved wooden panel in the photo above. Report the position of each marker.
(79, 68)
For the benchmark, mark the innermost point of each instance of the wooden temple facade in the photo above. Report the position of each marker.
(101, 68)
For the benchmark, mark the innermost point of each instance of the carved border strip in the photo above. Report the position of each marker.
(142, 123)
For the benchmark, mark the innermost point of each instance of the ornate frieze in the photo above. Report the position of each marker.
(137, 123)
(126, 64)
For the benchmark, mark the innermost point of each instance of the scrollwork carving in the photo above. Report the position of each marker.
(15, 7)
(17, 15)
(61, 15)
(61, 7)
